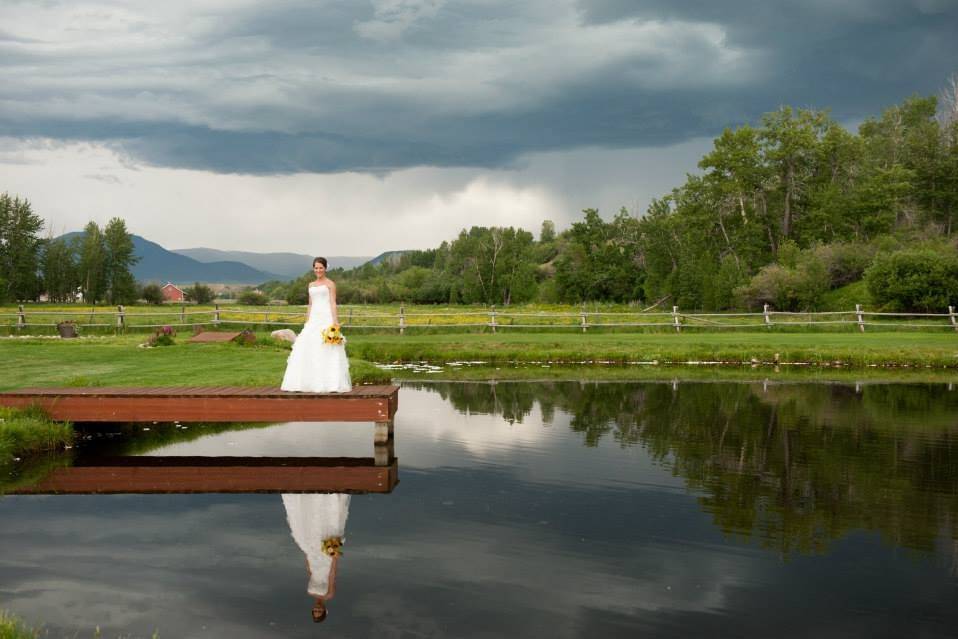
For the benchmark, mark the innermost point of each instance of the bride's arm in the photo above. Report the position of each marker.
(332, 303)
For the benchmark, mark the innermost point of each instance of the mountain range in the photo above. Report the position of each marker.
(287, 265)
(186, 266)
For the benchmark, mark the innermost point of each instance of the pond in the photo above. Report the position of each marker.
(559, 509)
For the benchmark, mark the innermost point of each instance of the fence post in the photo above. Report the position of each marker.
(266, 316)
(402, 319)
(582, 319)
(216, 314)
(951, 316)
(861, 321)
(768, 320)
(349, 320)
(492, 318)
(22, 319)
(183, 314)
(119, 319)
(675, 319)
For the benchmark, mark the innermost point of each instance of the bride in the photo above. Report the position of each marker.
(315, 366)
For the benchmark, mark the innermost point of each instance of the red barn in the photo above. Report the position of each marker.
(173, 293)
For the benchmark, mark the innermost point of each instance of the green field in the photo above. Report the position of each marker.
(119, 361)
(914, 349)
(99, 361)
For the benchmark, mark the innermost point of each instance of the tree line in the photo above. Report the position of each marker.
(794, 211)
(94, 264)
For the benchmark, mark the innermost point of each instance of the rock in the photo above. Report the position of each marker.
(286, 334)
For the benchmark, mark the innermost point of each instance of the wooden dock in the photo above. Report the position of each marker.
(376, 404)
(162, 475)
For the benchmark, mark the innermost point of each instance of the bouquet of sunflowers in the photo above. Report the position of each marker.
(333, 546)
(333, 335)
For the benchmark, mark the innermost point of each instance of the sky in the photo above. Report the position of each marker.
(352, 127)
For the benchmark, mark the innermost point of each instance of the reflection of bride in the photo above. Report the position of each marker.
(316, 522)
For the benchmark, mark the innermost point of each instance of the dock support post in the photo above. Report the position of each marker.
(384, 453)
(384, 432)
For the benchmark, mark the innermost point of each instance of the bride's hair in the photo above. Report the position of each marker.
(321, 260)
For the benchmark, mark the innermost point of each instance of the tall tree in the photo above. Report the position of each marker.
(92, 263)
(601, 259)
(493, 265)
(59, 270)
(119, 259)
(20, 245)
(789, 144)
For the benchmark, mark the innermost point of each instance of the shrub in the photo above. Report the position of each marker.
(844, 262)
(914, 280)
(152, 294)
(199, 293)
(785, 288)
(253, 298)
(162, 337)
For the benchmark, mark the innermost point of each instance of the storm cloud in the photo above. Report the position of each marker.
(289, 87)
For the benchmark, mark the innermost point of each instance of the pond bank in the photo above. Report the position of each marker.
(30, 432)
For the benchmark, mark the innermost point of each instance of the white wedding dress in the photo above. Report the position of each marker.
(312, 519)
(315, 366)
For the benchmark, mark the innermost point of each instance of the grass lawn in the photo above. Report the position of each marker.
(118, 361)
(938, 349)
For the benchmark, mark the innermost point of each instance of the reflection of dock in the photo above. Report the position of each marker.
(221, 475)
(212, 404)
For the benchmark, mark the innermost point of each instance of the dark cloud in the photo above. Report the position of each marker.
(295, 87)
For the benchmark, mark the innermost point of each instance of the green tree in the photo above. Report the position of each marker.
(493, 265)
(789, 145)
(601, 259)
(251, 297)
(20, 246)
(199, 293)
(59, 270)
(152, 294)
(119, 258)
(92, 263)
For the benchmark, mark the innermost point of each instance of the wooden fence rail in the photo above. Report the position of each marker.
(121, 319)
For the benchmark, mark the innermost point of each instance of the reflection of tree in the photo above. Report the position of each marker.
(792, 466)
(513, 401)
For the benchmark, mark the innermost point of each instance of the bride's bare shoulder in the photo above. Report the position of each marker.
(331, 284)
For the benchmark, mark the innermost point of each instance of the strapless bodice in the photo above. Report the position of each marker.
(321, 312)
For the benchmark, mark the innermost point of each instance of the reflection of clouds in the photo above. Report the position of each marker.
(431, 433)
(140, 564)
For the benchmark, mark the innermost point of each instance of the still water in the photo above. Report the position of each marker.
(559, 509)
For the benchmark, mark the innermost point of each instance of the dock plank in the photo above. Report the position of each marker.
(153, 475)
(205, 404)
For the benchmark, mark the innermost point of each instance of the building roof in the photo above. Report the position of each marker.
(171, 284)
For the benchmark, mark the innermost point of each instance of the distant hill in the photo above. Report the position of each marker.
(288, 265)
(391, 257)
(157, 264)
